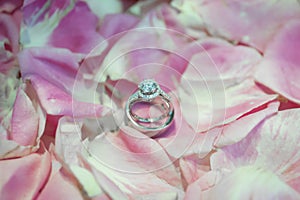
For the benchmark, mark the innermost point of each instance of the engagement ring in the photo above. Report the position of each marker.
(150, 94)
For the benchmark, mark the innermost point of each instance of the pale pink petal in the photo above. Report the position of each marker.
(24, 125)
(9, 83)
(138, 54)
(210, 105)
(193, 192)
(103, 8)
(9, 30)
(198, 189)
(34, 169)
(60, 186)
(9, 6)
(68, 145)
(58, 69)
(35, 11)
(117, 23)
(142, 8)
(25, 120)
(77, 30)
(134, 184)
(11, 149)
(9, 38)
(55, 65)
(108, 186)
(231, 133)
(279, 69)
(251, 183)
(181, 139)
(269, 153)
(192, 168)
(241, 21)
(217, 86)
(134, 156)
(41, 17)
(138, 154)
(56, 101)
(68, 141)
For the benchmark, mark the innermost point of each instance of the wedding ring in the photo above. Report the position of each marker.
(150, 94)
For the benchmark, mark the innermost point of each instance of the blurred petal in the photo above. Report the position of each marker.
(10, 30)
(35, 11)
(77, 30)
(9, 37)
(251, 183)
(55, 101)
(240, 21)
(9, 6)
(279, 70)
(117, 23)
(58, 66)
(140, 54)
(134, 157)
(193, 167)
(23, 127)
(40, 19)
(28, 120)
(269, 152)
(217, 86)
(11, 149)
(103, 8)
(60, 186)
(9, 84)
(137, 153)
(231, 133)
(33, 169)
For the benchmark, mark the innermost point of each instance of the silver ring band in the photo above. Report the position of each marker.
(149, 92)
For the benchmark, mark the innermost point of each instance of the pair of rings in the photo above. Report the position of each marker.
(149, 92)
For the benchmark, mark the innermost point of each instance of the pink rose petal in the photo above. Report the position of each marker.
(251, 183)
(240, 20)
(28, 118)
(24, 126)
(117, 23)
(23, 178)
(9, 6)
(41, 17)
(192, 167)
(269, 153)
(25, 120)
(217, 86)
(60, 186)
(9, 37)
(77, 30)
(9, 30)
(134, 156)
(35, 11)
(231, 133)
(11, 149)
(55, 101)
(279, 70)
(138, 54)
(137, 153)
(181, 139)
(199, 188)
(58, 66)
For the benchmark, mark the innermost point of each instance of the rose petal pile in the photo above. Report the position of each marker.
(67, 68)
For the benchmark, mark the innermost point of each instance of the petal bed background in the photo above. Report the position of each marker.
(67, 68)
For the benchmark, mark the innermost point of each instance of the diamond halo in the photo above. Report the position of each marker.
(148, 89)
